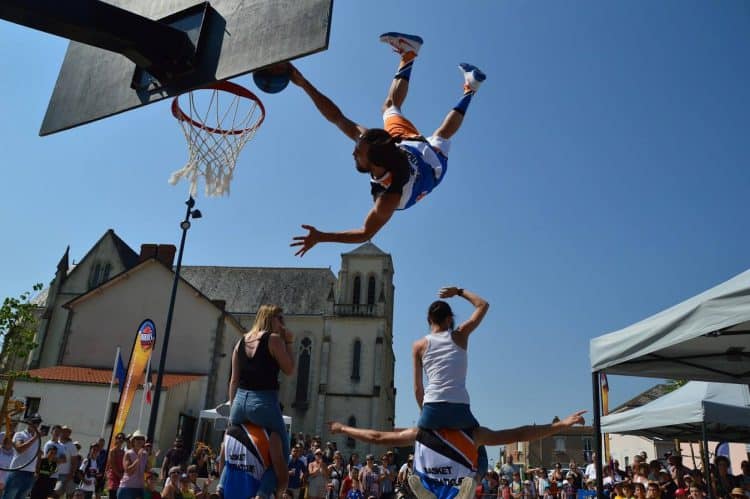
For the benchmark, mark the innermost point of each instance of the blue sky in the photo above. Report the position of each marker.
(600, 176)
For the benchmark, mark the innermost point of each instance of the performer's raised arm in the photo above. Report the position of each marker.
(327, 108)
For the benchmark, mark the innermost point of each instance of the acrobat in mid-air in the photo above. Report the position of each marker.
(403, 165)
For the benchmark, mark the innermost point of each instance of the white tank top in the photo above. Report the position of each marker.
(445, 365)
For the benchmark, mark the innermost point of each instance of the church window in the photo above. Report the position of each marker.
(371, 290)
(353, 423)
(105, 272)
(303, 372)
(356, 353)
(357, 291)
(94, 276)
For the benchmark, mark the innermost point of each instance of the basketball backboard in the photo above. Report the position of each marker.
(235, 38)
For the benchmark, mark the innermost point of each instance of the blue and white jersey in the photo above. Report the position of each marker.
(246, 457)
(443, 458)
(427, 169)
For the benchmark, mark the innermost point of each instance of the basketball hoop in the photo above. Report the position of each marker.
(216, 132)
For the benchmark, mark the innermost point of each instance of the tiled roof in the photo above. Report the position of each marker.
(90, 376)
(297, 290)
(644, 398)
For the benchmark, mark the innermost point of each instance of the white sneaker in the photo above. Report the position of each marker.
(402, 43)
(467, 489)
(473, 76)
(418, 489)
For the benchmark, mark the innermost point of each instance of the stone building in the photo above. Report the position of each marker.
(343, 329)
(574, 443)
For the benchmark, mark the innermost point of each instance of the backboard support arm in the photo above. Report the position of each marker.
(160, 49)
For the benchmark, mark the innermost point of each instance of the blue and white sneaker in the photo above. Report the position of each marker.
(402, 43)
(473, 77)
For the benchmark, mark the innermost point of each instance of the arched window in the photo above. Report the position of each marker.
(105, 272)
(371, 290)
(356, 353)
(353, 423)
(94, 276)
(357, 291)
(303, 373)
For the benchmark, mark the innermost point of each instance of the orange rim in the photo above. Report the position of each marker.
(223, 86)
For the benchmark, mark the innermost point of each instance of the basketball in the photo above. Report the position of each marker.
(272, 80)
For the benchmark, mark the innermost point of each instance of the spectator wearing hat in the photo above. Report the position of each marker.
(134, 466)
(738, 493)
(25, 444)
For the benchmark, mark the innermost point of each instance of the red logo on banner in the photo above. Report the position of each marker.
(147, 334)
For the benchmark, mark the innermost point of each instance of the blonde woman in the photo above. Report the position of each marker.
(254, 388)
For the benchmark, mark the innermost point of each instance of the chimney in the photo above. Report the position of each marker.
(165, 254)
(147, 251)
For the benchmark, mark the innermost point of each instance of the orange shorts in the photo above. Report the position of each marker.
(396, 125)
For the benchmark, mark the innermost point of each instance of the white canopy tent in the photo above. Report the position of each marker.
(706, 338)
(698, 410)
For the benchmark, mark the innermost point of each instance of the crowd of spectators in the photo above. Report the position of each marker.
(62, 468)
(652, 479)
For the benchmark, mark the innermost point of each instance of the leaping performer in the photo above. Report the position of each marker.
(403, 165)
(446, 461)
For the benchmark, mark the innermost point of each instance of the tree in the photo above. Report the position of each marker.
(18, 325)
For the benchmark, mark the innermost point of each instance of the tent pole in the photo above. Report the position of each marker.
(597, 434)
(706, 465)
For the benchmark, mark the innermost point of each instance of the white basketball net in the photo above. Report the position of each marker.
(217, 125)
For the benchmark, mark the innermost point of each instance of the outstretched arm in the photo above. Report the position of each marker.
(398, 437)
(380, 213)
(485, 436)
(327, 108)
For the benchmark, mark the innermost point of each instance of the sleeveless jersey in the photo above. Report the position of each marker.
(445, 365)
(442, 458)
(246, 457)
(426, 170)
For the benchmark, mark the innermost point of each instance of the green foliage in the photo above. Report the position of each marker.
(674, 384)
(18, 325)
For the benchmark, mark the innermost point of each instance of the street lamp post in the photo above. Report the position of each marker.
(184, 225)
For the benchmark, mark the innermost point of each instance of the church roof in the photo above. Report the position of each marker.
(645, 397)
(302, 291)
(90, 376)
(367, 249)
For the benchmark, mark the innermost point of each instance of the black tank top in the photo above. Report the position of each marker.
(261, 371)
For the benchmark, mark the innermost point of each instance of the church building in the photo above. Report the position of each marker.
(343, 327)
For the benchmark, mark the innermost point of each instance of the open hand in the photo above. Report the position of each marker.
(448, 292)
(574, 419)
(307, 242)
(334, 426)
